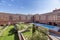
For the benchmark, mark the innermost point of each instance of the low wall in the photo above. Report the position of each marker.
(54, 32)
(20, 36)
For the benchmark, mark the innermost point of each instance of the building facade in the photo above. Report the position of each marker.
(52, 18)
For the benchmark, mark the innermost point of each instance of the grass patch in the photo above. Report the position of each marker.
(8, 34)
(27, 34)
(33, 32)
(1, 28)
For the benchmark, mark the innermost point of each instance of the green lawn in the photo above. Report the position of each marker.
(38, 34)
(23, 26)
(1, 28)
(9, 34)
(27, 34)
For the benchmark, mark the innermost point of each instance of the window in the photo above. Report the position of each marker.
(43, 17)
(10, 18)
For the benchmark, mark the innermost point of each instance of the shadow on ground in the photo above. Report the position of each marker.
(13, 32)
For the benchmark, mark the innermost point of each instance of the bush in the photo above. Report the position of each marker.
(38, 36)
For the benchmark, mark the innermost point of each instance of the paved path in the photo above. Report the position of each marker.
(20, 36)
(55, 36)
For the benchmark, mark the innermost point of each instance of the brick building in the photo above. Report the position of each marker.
(52, 18)
(48, 18)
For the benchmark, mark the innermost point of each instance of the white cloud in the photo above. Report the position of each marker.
(54, 3)
(47, 5)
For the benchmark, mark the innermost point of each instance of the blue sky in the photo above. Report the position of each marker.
(28, 6)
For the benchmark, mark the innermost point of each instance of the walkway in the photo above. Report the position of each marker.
(54, 36)
(20, 36)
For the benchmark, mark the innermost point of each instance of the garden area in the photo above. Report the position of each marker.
(9, 34)
(28, 30)
(32, 32)
(1, 28)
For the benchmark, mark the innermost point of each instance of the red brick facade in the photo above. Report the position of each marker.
(52, 17)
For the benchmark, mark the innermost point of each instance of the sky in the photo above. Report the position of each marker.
(28, 6)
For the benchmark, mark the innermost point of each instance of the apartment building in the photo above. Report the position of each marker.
(36, 18)
(48, 18)
(29, 18)
(4, 18)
